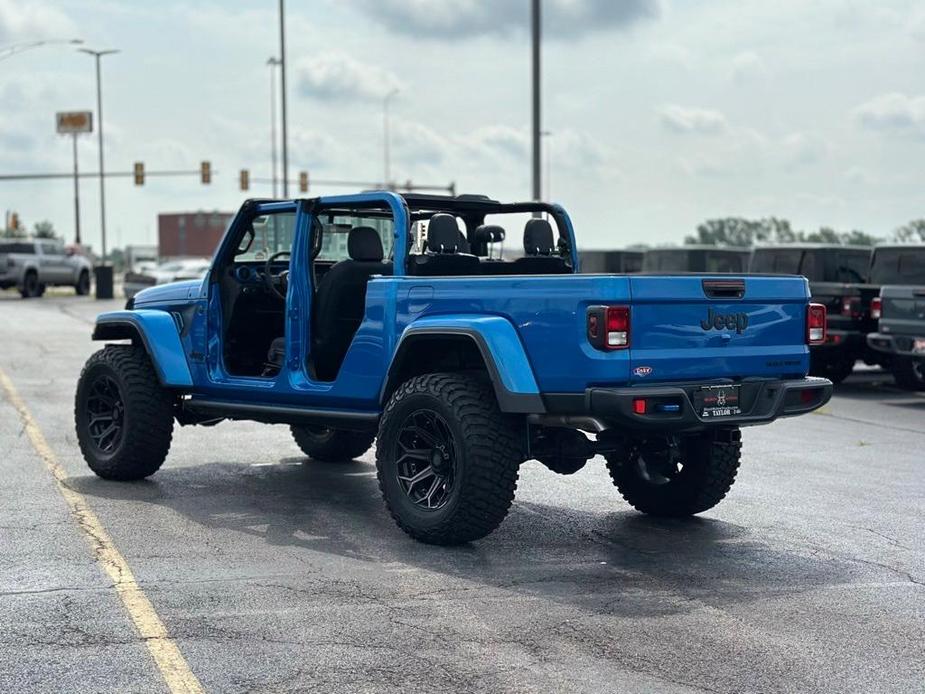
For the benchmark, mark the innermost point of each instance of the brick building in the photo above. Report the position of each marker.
(183, 234)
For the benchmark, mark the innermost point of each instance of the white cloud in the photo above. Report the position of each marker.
(893, 112)
(454, 19)
(702, 121)
(747, 67)
(340, 77)
(799, 149)
(24, 21)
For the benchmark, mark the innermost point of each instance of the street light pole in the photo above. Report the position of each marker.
(99, 117)
(273, 62)
(536, 21)
(548, 135)
(385, 141)
(282, 65)
(16, 48)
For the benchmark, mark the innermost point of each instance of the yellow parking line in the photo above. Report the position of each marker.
(167, 656)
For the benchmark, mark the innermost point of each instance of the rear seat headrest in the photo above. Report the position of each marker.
(364, 244)
(538, 238)
(443, 235)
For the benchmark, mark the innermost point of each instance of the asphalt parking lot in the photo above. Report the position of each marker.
(274, 573)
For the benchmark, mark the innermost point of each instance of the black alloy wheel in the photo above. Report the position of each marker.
(106, 413)
(425, 459)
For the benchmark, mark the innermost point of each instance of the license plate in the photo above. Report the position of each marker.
(918, 345)
(719, 401)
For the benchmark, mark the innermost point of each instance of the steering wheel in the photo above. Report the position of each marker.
(282, 279)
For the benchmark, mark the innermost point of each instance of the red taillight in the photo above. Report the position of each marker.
(639, 406)
(618, 327)
(609, 327)
(815, 324)
(876, 308)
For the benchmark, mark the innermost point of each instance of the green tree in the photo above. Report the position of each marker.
(911, 231)
(45, 230)
(738, 231)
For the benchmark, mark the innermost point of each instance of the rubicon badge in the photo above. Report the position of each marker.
(642, 370)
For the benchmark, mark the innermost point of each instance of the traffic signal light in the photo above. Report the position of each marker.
(205, 172)
(245, 179)
(139, 173)
(303, 181)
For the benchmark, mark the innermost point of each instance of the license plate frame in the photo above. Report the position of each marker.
(720, 402)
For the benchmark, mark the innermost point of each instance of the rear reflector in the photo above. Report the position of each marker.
(639, 406)
(815, 324)
(876, 308)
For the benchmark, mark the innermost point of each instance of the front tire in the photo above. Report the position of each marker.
(909, 373)
(83, 284)
(332, 445)
(447, 458)
(124, 418)
(30, 286)
(677, 475)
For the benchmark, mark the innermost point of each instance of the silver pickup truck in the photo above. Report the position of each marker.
(900, 308)
(31, 265)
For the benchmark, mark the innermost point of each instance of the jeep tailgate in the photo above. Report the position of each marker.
(699, 327)
(903, 311)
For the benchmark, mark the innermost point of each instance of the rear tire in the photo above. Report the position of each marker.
(677, 476)
(447, 458)
(332, 445)
(30, 286)
(83, 284)
(124, 418)
(836, 370)
(909, 373)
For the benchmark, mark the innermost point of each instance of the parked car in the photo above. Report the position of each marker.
(458, 366)
(171, 271)
(712, 259)
(838, 279)
(619, 262)
(900, 308)
(31, 265)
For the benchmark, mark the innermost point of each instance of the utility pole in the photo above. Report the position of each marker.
(273, 62)
(536, 20)
(76, 195)
(385, 142)
(282, 65)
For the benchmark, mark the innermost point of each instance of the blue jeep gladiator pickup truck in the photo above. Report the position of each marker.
(395, 319)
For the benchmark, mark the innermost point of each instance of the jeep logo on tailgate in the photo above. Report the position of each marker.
(729, 321)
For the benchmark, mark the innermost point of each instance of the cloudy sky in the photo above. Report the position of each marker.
(662, 112)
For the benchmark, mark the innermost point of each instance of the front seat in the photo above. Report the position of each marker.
(539, 250)
(443, 255)
(340, 301)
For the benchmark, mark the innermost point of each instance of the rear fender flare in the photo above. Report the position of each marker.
(502, 351)
(157, 332)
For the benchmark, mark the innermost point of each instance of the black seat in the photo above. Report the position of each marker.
(539, 249)
(340, 300)
(442, 255)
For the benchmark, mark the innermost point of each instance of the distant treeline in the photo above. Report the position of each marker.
(738, 231)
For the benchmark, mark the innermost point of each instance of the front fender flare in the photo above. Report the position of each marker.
(157, 331)
(502, 351)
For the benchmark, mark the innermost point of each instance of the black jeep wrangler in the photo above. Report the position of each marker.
(838, 278)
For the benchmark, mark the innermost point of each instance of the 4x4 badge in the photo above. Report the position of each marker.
(642, 370)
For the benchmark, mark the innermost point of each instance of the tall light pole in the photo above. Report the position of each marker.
(282, 65)
(536, 21)
(10, 51)
(99, 119)
(273, 62)
(385, 141)
(548, 135)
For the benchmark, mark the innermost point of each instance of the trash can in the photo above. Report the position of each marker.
(103, 274)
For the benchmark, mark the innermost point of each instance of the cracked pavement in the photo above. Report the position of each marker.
(277, 574)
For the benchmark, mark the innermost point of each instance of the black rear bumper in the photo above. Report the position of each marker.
(761, 401)
(902, 345)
